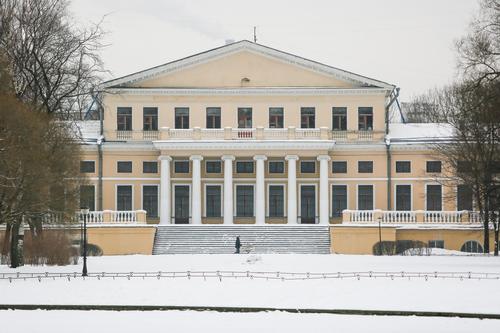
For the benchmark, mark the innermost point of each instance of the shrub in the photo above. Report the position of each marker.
(52, 247)
(401, 247)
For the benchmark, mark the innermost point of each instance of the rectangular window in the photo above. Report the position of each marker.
(149, 167)
(434, 197)
(244, 167)
(339, 167)
(124, 166)
(213, 167)
(124, 197)
(339, 199)
(308, 117)
(87, 196)
(275, 117)
(339, 118)
(213, 195)
(438, 244)
(244, 117)
(365, 166)
(365, 118)
(365, 197)
(150, 200)
(307, 166)
(124, 119)
(403, 166)
(182, 118)
(276, 167)
(244, 201)
(150, 119)
(213, 117)
(433, 167)
(87, 166)
(181, 166)
(464, 197)
(276, 200)
(403, 197)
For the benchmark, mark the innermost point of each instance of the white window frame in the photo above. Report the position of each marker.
(395, 167)
(395, 197)
(308, 173)
(181, 173)
(132, 162)
(95, 194)
(214, 173)
(442, 196)
(151, 173)
(221, 185)
(244, 173)
(373, 195)
(158, 196)
(235, 197)
(285, 208)
(299, 201)
(116, 195)
(274, 173)
(330, 186)
(172, 208)
(340, 173)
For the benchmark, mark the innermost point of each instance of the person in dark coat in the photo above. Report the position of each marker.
(237, 245)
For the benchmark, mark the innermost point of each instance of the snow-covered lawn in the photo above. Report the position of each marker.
(454, 295)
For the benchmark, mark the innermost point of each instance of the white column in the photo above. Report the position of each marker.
(260, 192)
(323, 189)
(292, 189)
(196, 189)
(165, 189)
(228, 188)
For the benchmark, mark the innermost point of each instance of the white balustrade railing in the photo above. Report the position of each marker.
(339, 136)
(243, 133)
(180, 133)
(399, 217)
(443, 216)
(361, 216)
(307, 133)
(124, 216)
(275, 133)
(124, 135)
(94, 217)
(417, 216)
(212, 133)
(365, 135)
(150, 135)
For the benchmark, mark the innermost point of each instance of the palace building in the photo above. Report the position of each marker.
(289, 153)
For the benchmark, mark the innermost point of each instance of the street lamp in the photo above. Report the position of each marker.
(84, 211)
(379, 219)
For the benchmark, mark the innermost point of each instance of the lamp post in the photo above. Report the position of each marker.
(84, 211)
(379, 219)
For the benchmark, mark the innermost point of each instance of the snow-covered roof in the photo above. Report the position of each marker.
(419, 132)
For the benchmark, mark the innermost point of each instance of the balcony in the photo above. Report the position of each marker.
(98, 217)
(410, 217)
(259, 133)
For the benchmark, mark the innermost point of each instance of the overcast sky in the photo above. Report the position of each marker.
(409, 43)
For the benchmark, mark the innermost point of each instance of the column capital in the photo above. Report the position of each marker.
(323, 158)
(228, 157)
(291, 157)
(260, 157)
(196, 158)
(164, 158)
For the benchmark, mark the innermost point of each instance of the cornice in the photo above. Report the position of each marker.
(244, 145)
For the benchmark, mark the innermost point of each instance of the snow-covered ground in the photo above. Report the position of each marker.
(454, 295)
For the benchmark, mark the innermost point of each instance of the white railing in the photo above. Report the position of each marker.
(94, 217)
(307, 133)
(417, 216)
(124, 135)
(125, 216)
(443, 216)
(212, 133)
(360, 216)
(243, 133)
(365, 135)
(276, 133)
(181, 133)
(150, 135)
(399, 217)
(339, 135)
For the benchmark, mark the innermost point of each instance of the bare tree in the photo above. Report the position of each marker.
(55, 63)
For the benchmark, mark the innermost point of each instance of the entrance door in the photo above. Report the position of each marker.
(307, 204)
(181, 201)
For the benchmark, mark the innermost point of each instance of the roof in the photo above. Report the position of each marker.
(248, 46)
(419, 132)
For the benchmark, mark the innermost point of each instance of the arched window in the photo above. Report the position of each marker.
(472, 247)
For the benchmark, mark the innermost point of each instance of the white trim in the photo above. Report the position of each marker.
(116, 195)
(395, 166)
(268, 115)
(425, 194)
(131, 163)
(181, 160)
(238, 145)
(151, 173)
(247, 173)
(331, 185)
(271, 178)
(173, 115)
(308, 173)
(235, 198)
(209, 159)
(316, 197)
(221, 186)
(268, 185)
(373, 195)
(395, 194)
(95, 194)
(276, 173)
(157, 197)
(172, 209)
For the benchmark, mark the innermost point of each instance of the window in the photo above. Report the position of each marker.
(87, 196)
(124, 119)
(150, 200)
(244, 117)
(472, 247)
(433, 167)
(403, 197)
(150, 119)
(213, 195)
(365, 166)
(87, 166)
(182, 118)
(307, 117)
(339, 118)
(438, 244)
(339, 199)
(307, 166)
(149, 167)
(339, 167)
(124, 197)
(124, 167)
(464, 197)
(244, 201)
(244, 167)
(403, 166)
(464, 166)
(365, 197)
(276, 167)
(365, 118)
(213, 166)
(275, 117)
(181, 166)
(213, 118)
(276, 200)
(434, 197)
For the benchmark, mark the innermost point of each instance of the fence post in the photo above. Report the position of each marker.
(324, 133)
(228, 133)
(259, 133)
(164, 133)
(346, 216)
(465, 217)
(106, 216)
(419, 216)
(291, 133)
(141, 216)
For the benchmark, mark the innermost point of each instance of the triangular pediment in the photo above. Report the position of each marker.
(244, 64)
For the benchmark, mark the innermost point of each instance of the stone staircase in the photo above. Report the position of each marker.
(220, 239)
